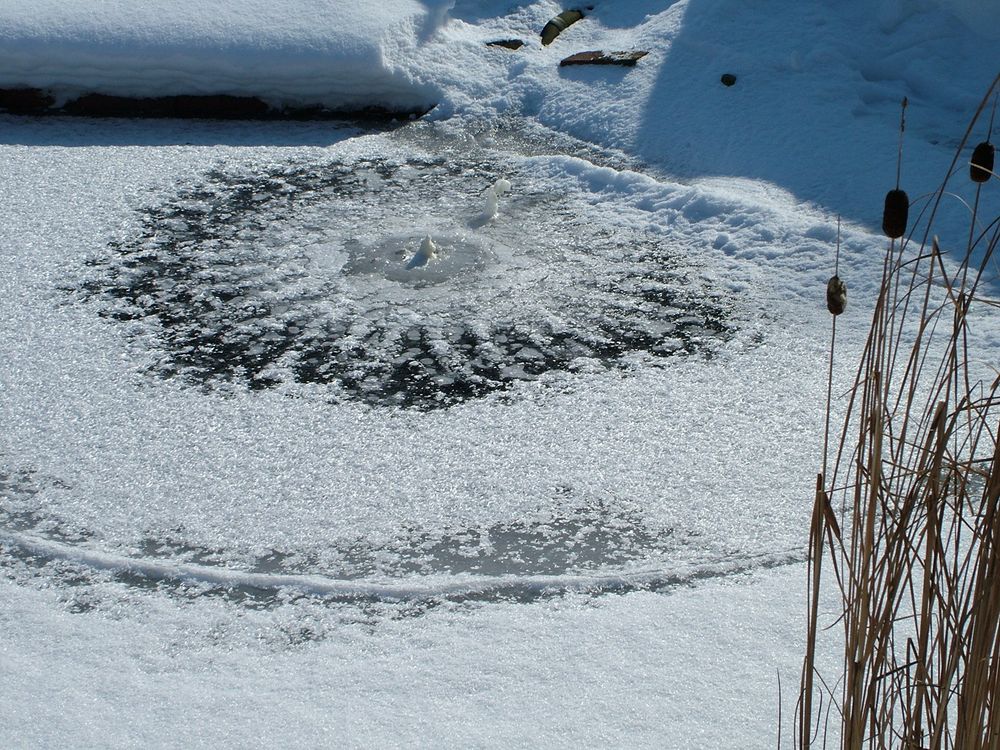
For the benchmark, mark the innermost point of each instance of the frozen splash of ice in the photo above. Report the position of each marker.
(501, 186)
(427, 252)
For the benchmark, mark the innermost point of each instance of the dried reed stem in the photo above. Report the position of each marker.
(917, 564)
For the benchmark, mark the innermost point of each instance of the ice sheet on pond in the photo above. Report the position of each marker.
(305, 273)
(299, 478)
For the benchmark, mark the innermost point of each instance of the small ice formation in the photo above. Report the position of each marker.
(392, 257)
(427, 252)
(493, 194)
(364, 275)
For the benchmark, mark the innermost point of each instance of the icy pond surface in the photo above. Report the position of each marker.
(398, 273)
(392, 275)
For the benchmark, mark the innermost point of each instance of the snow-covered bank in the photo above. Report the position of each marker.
(814, 108)
(345, 56)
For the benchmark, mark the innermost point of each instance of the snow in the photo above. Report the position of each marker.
(978, 15)
(561, 674)
(552, 486)
(300, 53)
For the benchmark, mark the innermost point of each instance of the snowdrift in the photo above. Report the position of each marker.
(293, 54)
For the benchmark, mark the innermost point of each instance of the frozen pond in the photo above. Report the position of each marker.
(407, 271)
(311, 272)
(274, 396)
(495, 428)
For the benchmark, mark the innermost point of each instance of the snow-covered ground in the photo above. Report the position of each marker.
(269, 476)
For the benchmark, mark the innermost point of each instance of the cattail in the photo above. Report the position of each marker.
(559, 24)
(897, 203)
(836, 295)
(982, 162)
(896, 213)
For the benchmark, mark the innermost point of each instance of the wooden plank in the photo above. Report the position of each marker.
(506, 43)
(599, 57)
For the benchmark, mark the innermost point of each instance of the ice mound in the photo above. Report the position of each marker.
(493, 194)
(426, 253)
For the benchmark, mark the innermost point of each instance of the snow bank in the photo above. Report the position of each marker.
(982, 16)
(301, 53)
(815, 107)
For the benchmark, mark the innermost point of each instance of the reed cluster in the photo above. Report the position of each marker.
(906, 518)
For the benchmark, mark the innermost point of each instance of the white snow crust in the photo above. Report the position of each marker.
(603, 553)
(342, 55)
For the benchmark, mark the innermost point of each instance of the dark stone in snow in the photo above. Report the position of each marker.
(506, 43)
(559, 24)
(598, 57)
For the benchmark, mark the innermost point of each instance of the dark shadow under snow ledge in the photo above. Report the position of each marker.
(32, 101)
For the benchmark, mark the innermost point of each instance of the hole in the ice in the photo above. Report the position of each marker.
(390, 281)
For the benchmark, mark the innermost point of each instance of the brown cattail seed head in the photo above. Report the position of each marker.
(982, 162)
(836, 295)
(895, 214)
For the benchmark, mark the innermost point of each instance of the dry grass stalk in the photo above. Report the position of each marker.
(916, 482)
